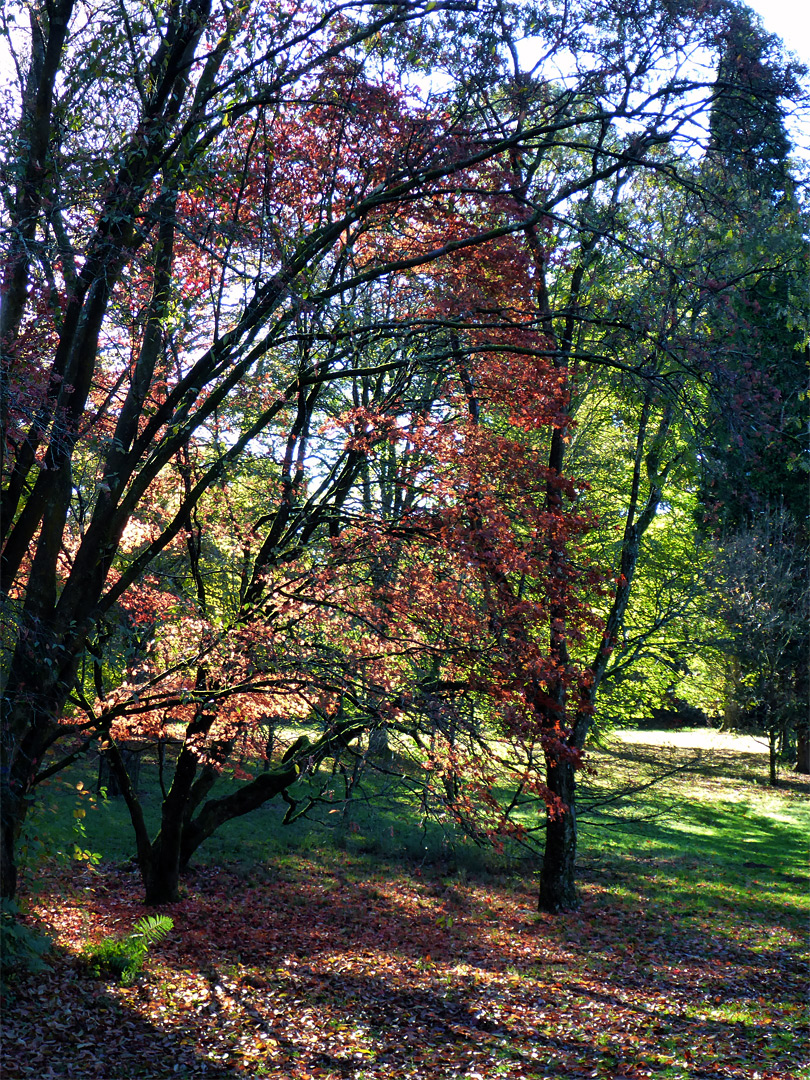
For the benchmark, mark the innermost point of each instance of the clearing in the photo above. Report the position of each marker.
(688, 958)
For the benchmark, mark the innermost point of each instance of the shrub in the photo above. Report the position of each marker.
(21, 948)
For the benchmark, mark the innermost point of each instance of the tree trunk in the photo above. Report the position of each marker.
(8, 846)
(558, 890)
(26, 732)
(107, 779)
(378, 746)
(772, 756)
(160, 864)
(802, 687)
(803, 747)
(216, 812)
(558, 881)
(15, 800)
(161, 873)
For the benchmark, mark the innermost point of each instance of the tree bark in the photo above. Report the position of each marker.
(802, 725)
(31, 700)
(803, 747)
(107, 780)
(161, 874)
(773, 777)
(558, 890)
(378, 746)
(8, 845)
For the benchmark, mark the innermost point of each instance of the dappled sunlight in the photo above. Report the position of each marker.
(363, 970)
(317, 960)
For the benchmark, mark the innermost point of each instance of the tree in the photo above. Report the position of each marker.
(660, 648)
(755, 258)
(659, 330)
(755, 493)
(755, 262)
(287, 361)
(180, 292)
(155, 276)
(764, 605)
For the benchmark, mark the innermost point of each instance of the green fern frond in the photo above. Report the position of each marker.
(152, 928)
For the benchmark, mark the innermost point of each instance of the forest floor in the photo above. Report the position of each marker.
(687, 959)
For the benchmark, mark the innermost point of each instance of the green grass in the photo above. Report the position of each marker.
(711, 819)
(687, 957)
(710, 847)
(380, 824)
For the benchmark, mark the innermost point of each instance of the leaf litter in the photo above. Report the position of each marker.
(334, 969)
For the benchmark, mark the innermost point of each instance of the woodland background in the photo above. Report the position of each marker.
(397, 399)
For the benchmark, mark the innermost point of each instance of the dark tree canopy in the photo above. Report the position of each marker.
(747, 129)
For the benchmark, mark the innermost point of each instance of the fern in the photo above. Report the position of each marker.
(124, 957)
(152, 928)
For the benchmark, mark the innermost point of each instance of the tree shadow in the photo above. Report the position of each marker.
(334, 977)
(61, 1023)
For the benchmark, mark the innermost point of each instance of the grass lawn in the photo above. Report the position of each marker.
(293, 956)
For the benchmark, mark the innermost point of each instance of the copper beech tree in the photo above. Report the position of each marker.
(286, 391)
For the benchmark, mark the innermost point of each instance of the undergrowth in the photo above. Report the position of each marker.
(123, 958)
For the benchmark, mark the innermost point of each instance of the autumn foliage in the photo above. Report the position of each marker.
(296, 306)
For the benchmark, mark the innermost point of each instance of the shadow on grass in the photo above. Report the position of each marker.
(61, 1023)
(390, 829)
(743, 765)
(403, 975)
(348, 952)
(726, 855)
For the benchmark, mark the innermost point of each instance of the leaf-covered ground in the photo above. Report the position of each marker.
(687, 959)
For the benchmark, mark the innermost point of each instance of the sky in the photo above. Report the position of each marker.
(790, 19)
